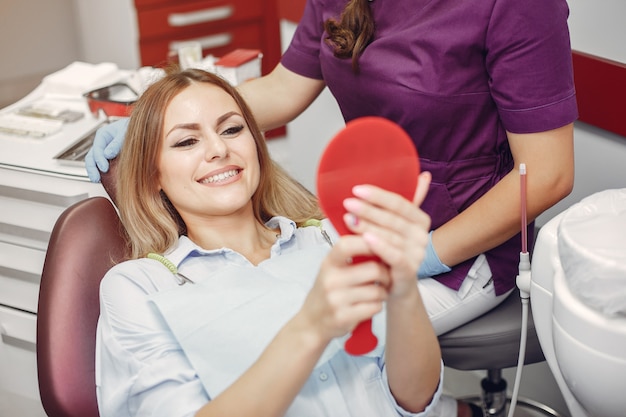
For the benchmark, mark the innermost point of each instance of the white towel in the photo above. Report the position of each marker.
(80, 77)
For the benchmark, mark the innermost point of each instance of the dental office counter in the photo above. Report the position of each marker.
(34, 191)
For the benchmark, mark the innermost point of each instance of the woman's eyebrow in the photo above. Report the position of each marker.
(184, 126)
(196, 126)
(226, 116)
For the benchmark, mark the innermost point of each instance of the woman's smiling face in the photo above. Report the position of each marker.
(208, 163)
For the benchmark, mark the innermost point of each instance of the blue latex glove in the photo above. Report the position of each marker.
(106, 145)
(431, 265)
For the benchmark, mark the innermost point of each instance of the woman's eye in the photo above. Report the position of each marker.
(232, 130)
(185, 142)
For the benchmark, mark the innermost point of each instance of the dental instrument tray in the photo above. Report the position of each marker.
(75, 153)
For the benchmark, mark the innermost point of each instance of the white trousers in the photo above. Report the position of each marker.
(449, 309)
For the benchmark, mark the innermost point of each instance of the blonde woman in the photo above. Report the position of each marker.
(231, 303)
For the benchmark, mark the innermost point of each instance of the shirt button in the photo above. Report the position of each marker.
(323, 376)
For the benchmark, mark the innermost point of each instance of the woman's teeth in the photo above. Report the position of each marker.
(220, 177)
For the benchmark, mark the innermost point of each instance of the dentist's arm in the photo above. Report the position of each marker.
(280, 96)
(495, 217)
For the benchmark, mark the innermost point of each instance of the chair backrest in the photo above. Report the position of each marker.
(86, 241)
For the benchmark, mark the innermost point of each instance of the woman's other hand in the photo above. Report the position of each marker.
(394, 228)
(345, 292)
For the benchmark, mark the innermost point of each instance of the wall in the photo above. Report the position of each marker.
(34, 44)
(108, 32)
(597, 28)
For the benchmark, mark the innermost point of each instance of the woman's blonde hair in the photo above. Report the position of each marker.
(352, 33)
(151, 222)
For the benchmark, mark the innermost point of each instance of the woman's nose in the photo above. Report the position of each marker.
(216, 148)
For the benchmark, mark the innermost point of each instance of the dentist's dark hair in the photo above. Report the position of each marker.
(353, 32)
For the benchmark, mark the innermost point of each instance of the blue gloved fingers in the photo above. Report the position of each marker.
(431, 265)
(106, 145)
(90, 165)
(118, 131)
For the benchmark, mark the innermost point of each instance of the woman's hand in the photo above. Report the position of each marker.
(385, 226)
(345, 293)
(395, 230)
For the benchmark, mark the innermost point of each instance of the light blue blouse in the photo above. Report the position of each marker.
(165, 349)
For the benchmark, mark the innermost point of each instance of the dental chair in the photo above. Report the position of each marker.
(578, 288)
(86, 241)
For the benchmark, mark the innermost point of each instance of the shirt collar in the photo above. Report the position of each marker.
(185, 246)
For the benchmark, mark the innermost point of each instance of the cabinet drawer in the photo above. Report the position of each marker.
(18, 362)
(20, 274)
(44, 189)
(27, 222)
(217, 43)
(174, 20)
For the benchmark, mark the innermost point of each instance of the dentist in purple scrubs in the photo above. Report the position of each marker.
(479, 86)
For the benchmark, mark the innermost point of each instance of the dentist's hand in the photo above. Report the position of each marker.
(106, 145)
(431, 265)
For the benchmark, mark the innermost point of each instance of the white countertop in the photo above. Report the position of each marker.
(37, 154)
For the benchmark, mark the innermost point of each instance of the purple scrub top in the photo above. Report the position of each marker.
(455, 75)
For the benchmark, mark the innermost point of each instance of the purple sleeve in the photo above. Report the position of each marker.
(530, 65)
(302, 55)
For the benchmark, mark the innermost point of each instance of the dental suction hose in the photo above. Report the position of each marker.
(523, 284)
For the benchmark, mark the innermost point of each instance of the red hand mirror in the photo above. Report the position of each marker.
(369, 150)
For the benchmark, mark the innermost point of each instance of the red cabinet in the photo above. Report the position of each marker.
(291, 9)
(220, 26)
